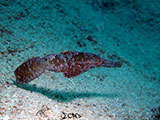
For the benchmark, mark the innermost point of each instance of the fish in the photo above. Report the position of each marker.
(70, 63)
(29, 70)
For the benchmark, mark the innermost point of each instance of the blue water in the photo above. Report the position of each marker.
(117, 30)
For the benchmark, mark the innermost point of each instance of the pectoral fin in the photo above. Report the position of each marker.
(73, 73)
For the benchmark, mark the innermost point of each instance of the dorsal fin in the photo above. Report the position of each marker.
(64, 52)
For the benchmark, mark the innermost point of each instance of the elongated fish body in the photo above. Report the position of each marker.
(72, 64)
(69, 63)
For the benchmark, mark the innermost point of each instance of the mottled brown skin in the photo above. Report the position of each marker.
(72, 64)
(29, 70)
(75, 63)
(69, 63)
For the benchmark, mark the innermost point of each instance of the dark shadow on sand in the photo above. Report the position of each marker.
(63, 96)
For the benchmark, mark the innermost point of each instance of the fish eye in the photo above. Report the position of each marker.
(45, 59)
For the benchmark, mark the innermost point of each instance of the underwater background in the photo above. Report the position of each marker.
(117, 30)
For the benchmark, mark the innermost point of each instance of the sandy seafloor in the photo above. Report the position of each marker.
(120, 30)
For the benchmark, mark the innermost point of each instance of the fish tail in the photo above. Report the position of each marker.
(111, 64)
